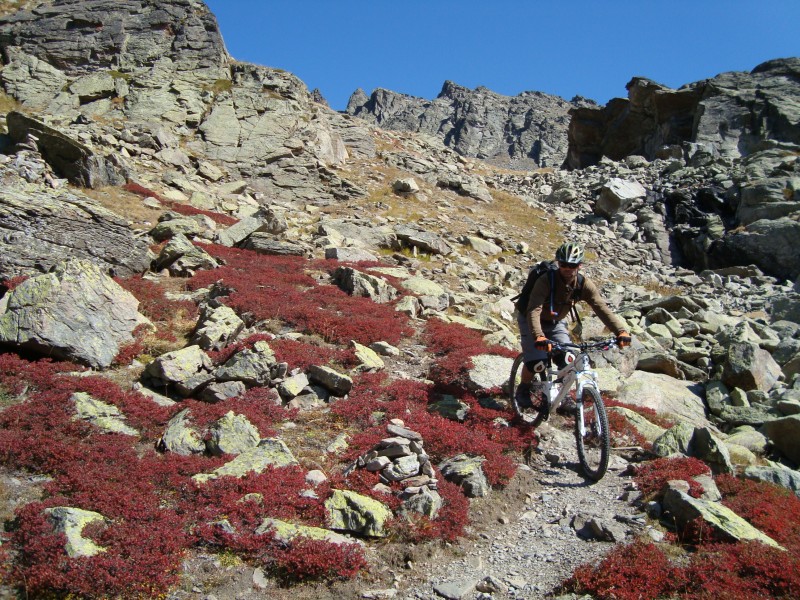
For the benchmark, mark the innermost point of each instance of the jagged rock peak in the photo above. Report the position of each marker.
(527, 130)
(82, 36)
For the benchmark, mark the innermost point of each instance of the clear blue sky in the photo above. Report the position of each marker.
(571, 47)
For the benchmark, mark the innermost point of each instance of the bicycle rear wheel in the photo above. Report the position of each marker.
(592, 435)
(538, 410)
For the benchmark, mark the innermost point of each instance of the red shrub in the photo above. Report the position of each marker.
(142, 191)
(636, 571)
(652, 476)
(770, 508)
(743, 571)
(306, 559)
(12, 282)
(190, 211)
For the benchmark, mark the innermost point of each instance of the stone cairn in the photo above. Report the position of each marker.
(402, 458)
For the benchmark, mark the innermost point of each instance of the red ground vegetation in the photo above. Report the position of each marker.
(652, 476)
(277, 287)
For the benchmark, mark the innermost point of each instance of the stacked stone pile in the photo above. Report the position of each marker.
(402, 460)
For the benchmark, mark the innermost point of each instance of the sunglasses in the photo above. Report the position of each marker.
(568, 265)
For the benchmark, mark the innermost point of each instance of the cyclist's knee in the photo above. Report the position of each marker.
(535, 366)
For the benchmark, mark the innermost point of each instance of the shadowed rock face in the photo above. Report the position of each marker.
(527, 130)
(733, 113)
(82, 36)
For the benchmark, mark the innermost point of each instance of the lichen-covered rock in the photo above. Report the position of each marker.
(750, 368)
(182, 258)
(180, 368)
(216, 328)
(665, 395)
(76, 312)
(349, 511)
(269, 452)
(41, 227)
(253, 367)
(368, 359)
(685, 509)
(293, 386)
(785, 436)
(645, 428)
(180, 438)
(286, 532)
(450, 407)
(232, 434)
(675, 440)
(365, 285)
(467, 472)
(338, 383)
(71, 522)
(488, 371)
(427, 502)
(106, 417)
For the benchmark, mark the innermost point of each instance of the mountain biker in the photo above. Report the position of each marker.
(544, 317)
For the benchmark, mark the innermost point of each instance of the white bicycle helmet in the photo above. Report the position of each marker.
(570, 252)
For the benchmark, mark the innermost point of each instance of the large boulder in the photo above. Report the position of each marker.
(488, 371)
(617, 195)
(106, 417)
(68, 158)
(216, 328)
(232, 434)
(665, 395)
(684, 510)
(768, 243)
(365, 285)
(253, 366)
(270, 452)
(186, 369)
(40, 228)
(77, 312)
(750, 368)
(180, 437)
(785, 436)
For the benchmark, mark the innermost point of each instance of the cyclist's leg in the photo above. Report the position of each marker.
(533, 362)
(559, 333)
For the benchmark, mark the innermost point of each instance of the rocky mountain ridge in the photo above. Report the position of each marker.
(130, 162)
(523, 131)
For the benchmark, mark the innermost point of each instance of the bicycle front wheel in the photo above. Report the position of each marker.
(592, 435)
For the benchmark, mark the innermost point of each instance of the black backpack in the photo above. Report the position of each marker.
(546, 266)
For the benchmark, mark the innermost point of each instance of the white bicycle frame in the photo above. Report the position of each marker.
(578, 373)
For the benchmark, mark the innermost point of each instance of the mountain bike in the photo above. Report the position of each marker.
(550, 388)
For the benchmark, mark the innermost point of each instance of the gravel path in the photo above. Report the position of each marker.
(526, 550)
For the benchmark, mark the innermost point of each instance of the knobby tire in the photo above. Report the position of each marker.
(595, 447)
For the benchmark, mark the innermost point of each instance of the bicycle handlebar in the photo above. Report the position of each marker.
(583, 346)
